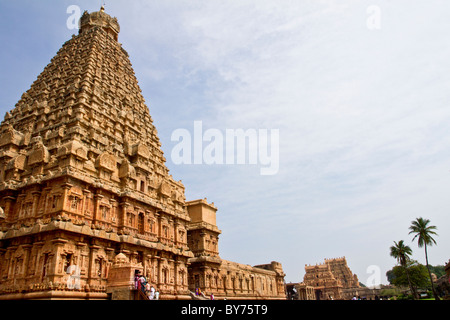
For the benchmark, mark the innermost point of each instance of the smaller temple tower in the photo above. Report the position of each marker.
(341, 271)
(203, 233)
(329, 279)
(326, 286)
(210, 274)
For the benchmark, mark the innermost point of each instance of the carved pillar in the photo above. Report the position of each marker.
(154, 269)
(85, 204)
(147, 216)
(27, 248)
(202, 242)
(37, 247)
(158, 226)
(176, 224)
(50, 266)
(44, 208)
(171, 277)
(113, 213)
(147, 264)
(97, 199)
(158, 279)
(18, 207)
(178, 283)
(3, 262)
(123, 215)
(58, 272)
(9, 259)
(92, 273)
(66, 187)
(82, 256)
(36, 195)
(109, 260)
(9, 200)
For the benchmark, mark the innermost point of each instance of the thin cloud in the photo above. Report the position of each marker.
(362, 117)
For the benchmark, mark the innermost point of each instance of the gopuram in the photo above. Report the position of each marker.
(331, 280)
(86, 198)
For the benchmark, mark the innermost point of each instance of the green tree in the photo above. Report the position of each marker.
(439, 271)
(390, 292)
(424, 234)
(418, 275)
(402, 253)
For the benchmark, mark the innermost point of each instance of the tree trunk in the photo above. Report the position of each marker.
(413, 290)
(429, 273)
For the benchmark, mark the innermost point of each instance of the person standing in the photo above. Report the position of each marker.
(136, 281)
(147, 289)
(151, 293)
(142, 283)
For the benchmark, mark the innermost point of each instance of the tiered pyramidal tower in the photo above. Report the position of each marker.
(79, 154)
(86, 199)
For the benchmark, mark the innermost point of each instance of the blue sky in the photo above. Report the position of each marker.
(362, 113)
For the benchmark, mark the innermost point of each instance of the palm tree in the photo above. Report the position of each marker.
(423, 232)
(401, 252)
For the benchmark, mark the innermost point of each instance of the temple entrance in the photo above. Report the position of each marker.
(196, 281)
(318, 294)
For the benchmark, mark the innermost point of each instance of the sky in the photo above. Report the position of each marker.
(358, 91)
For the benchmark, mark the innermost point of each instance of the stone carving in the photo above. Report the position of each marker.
(164, 189)
(121, 259)
(73, 148)
(126, 170)
(10, 136)
(142, 150)
(39, 154)
(106, 161)
(17, 163)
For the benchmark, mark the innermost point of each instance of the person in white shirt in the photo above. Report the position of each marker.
(152, 293)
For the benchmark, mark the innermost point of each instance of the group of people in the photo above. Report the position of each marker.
(198, 292)
(141, 283)
(364, 298)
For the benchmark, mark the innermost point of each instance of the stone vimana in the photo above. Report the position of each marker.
(86, 198)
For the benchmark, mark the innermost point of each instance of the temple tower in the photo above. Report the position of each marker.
(83, 178)
(86, 198)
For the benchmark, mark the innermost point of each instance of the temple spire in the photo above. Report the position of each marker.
(100, 19)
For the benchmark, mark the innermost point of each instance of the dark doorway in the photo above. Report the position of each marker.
(318, 294)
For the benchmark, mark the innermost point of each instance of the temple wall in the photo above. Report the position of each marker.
(41, 258)
(233, 280)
